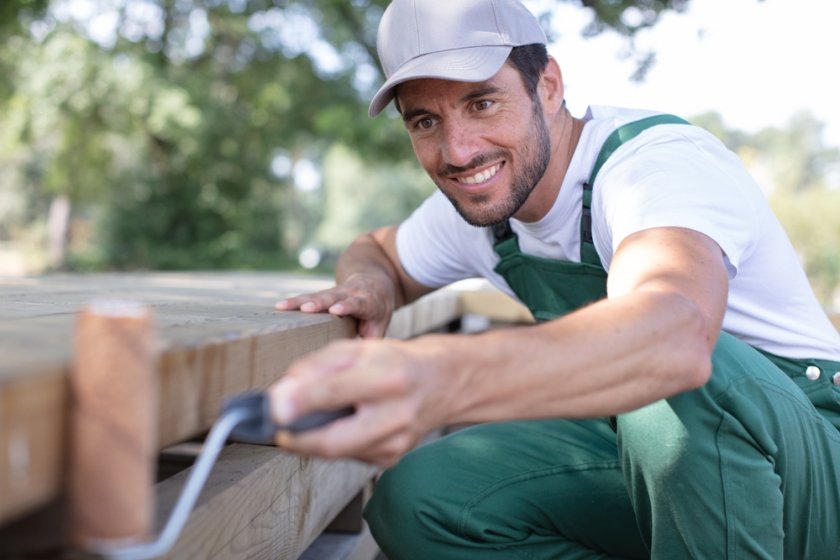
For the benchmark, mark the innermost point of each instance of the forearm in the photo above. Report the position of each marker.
(367, 257)
(650, 339)
(607, 358)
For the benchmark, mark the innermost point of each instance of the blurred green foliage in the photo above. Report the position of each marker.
(159, 121)
(207, 134)
(801, 178)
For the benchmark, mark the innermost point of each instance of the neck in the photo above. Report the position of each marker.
(565, 131)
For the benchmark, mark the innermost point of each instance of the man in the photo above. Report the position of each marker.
(679, 396)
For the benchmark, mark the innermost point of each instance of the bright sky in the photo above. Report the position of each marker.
(754, 62)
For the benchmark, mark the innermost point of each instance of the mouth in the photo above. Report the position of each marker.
(481, 176)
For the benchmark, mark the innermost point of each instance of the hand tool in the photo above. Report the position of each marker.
(245, 418)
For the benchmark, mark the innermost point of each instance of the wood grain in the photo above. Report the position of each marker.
(218, 335)
(261, 502)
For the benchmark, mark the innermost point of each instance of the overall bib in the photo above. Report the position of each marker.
(747, 466)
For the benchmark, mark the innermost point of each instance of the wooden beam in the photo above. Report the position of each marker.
(225, 323)
(196, 376)
(219, 335)
(114, 419)
(260, 502)
(33, 435)
(479, 297)
(427, 314)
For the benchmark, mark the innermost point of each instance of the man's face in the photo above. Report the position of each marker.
(485, 145)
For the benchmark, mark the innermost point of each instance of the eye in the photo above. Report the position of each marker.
(482, 104)
(425, 123)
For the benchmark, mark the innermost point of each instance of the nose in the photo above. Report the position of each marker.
(460, 142)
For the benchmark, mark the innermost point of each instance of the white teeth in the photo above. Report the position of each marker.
(481, 176)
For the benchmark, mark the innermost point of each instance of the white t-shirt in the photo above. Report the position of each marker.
(669, 175)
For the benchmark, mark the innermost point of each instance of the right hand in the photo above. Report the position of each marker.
(400, 390)
(370, 298)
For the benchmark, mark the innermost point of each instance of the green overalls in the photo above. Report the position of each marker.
(747, 466)
(551, 288)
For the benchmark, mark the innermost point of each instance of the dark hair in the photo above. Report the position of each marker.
(529, 61)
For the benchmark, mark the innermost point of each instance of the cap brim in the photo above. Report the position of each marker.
(474, 64)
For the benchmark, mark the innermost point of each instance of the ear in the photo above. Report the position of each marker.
(550, 88)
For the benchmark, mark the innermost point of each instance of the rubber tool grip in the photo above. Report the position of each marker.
(260, 429)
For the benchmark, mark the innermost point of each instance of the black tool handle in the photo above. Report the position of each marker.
(259, 427)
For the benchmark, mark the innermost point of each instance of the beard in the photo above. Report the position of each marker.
(536, 153)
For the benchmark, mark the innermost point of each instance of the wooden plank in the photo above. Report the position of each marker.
(260, 502)
(196, 379)
(189, 309)
(219, 335)
(33, 435)
(114, 387)
(479, 297)
(427, 314)
(226, 322)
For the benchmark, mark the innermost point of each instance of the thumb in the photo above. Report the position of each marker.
(373, 329)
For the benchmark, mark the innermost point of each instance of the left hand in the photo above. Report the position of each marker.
(396, 394)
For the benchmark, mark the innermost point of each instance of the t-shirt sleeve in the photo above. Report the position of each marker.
(683, 179)
(433, 243)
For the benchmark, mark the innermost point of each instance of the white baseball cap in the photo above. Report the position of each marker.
(462, 40)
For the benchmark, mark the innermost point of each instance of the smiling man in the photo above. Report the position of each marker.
(486, 183)
(679, 396)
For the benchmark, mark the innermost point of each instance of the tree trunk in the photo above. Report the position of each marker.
(58, 226)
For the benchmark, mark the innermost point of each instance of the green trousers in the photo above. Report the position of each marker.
(747, 466)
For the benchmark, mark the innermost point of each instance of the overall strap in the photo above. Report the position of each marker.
(622, 134)
(506, 241)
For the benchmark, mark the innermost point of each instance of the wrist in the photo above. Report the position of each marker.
(449, 374)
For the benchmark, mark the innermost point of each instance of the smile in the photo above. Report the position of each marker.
(481, 176)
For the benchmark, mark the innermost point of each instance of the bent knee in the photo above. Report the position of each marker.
(407, 510)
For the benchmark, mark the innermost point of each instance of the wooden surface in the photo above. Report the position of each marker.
(218, 335)
(262, 504)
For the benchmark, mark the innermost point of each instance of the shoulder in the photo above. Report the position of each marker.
(679, 176)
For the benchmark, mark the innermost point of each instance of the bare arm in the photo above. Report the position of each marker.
(371, 284)
(650, 339)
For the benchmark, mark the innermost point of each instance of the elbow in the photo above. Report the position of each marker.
(698, 337)
(700, 373)
(702, 345)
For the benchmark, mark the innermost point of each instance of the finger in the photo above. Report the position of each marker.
(311, 303)
(362, 306)
(355, 386)
(377, 433)
(373, 329)
(291, 303)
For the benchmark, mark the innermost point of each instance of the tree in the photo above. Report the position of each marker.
(156, 121)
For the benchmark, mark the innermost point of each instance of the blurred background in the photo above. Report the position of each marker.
(233, 134)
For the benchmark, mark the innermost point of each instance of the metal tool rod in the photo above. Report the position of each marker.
(178, 518)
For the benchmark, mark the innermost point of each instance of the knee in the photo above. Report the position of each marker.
(403, 515)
